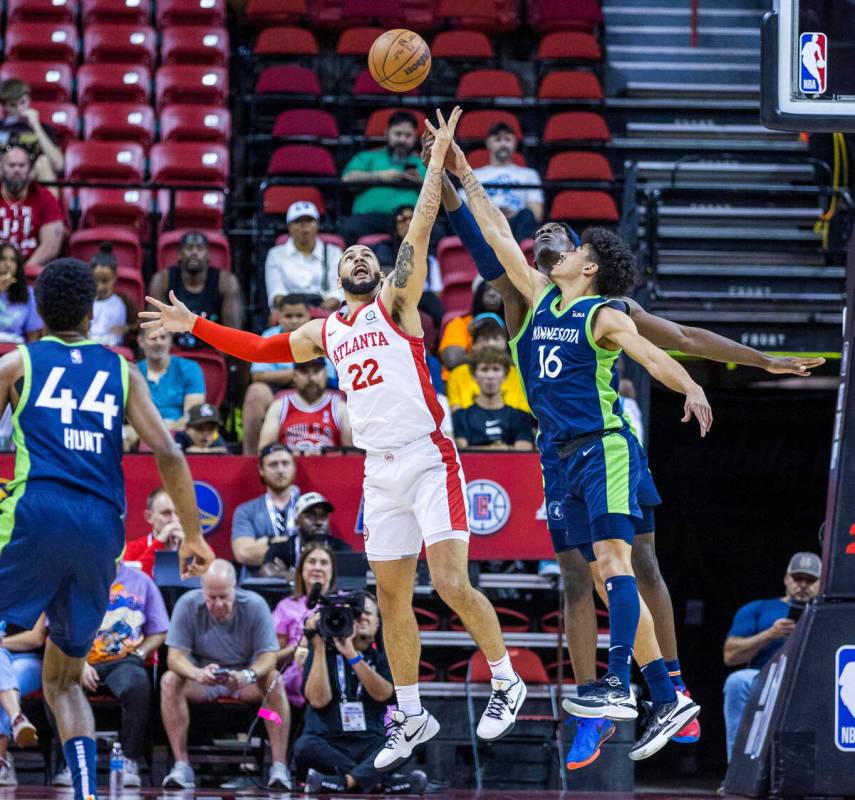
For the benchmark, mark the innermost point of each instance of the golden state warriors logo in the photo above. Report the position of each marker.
(489, 507)
(210, 505)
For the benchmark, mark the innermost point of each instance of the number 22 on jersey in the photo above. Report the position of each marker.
(365, 374)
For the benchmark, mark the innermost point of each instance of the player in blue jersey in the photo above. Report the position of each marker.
(62, 523)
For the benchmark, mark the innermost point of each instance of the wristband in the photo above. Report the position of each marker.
(355, 660)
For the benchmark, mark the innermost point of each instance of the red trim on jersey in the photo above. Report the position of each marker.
(453, 485)
(395, 327)
(352, 318)
(324, 335)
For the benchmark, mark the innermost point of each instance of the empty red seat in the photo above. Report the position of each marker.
(579, 166)
(278, 199)
(286, 41)
(481, 157)
(475, 125)
(41, 41)
(113, 83)
(377, 123)
(130, 284)
(195, 123)
(63, 117)
(570, 85)
(85, 243)
(194, 44)
(461, 44)
(288, 79)
(574, 126)
(386, 13)
(569, 45)
(48, 81)
(365, 84)
(119, 122)
(485, 83)
(305, 123)
(553, 15)
(135, 12)
(185, 162)
(106, 161)
(356, 41)
(191, 83)
(193, 209)
(41, 10)
(120, 43)
(126, 208)
(480, 15)
(455, 263)
(262, 13)
(168, 245)
(588, 206)
(301, 159)
(191, 12)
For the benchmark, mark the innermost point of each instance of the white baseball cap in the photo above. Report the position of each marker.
(302, 208)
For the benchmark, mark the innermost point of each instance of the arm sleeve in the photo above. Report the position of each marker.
(745, 623)
(473, 240)
(240, 344)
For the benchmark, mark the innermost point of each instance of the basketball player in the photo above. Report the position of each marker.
(414, 487)
(62, 524)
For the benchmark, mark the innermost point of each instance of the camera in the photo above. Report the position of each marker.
(337, 613)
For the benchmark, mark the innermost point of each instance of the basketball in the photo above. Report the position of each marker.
(399, 60)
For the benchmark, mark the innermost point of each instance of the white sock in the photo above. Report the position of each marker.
(408, 699)
(502, 669)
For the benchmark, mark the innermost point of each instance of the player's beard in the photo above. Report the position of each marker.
(362, 287)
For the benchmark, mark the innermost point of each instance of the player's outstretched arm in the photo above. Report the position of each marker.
(614, 328)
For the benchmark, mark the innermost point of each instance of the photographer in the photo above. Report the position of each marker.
(347, 685)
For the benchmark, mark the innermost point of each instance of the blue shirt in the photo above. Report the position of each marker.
(182, 377)
(332, 375)
(18, 319)
(756, 617)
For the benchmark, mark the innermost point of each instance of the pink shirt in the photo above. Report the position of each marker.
(288, 617)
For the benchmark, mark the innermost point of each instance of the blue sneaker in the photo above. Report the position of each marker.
(590, 734)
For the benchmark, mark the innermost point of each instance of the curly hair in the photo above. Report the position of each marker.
(65, 292)
(616, 274)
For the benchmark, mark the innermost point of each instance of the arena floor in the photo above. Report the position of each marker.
(43, 793)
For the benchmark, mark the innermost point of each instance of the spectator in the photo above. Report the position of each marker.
(397, 170)
(207, 291)
(111, 311)
(629, 405)
(347, 687)
(13, 722)
(757, 633)
(489, 422)
(201, 434)
(270, 518)
(222, 643)
(132, 630)
(19, 319)
(30, 216)
(308, 418)
(21, 125)
(456, 341)
(486, 330)
(522, 207)
(165, 534)
(269, 378)
(305, 264)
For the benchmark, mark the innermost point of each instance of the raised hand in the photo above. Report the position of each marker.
(444, 134)
(194, 557)
(175, 318)
(785, 365)
(698, 406)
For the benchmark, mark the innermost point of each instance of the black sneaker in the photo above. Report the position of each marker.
(414, 783)
(665, 721)
(318, 783)
(608, 698)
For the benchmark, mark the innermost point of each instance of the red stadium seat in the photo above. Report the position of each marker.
(377, 123)
(365, 84)
(191, 83)
(125, 208)
(487, 83)
(134, 12)
(569, 45)
(288, 79)
(461, 44)
(129, 284)
(474, 125)
(185, 162)
(41, 10)
(263, 13)
(356, 41)
(455, 263)
(195, 44)
(203, 209)
(192, 123)
(579, 166)
(214, 368)
(570, 85)
(48, 81)
(385, 13)
(85, 243)
(589, 206)
(286, 41)
(301, 159)
(373, 238)
(278, 199)
(575, 126)
(480, 15)
(481, 157)
(41, 41)
(191, 12)
(456, 296)
(554, 15)
(308, 123)
(112, 83)
(119, 122)
(106, 161)
(219, 251)
(63, 117)
(115, 43)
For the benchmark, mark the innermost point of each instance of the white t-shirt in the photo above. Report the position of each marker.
(107, 314)
(288, 271)
(511, 175)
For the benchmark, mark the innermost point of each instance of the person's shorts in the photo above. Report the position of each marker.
(413, 495)
(58, 552)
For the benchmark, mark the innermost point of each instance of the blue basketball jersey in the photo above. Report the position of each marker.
(67, 426)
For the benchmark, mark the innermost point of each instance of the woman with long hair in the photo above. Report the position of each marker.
(19, 320)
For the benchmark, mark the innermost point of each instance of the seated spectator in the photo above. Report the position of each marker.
(270, 518)
(347, 684)
(489, 422)
(522, 207)
(30, 216)
(305, 264)
(308, 418)
(132, 630)
(165, 534)
(207, 291)
(201, 434)
(757, 633)
(13, 722)
(397, 170)
(19, 319)
(629, 405)
(21, 124)
(111, 310)
(222, 643)
(486, 330)
(456, 341)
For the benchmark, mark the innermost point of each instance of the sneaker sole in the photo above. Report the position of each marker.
(614, 713)
(175, 785)
(510, 727)
(677, 724)
(686, 738)
(433, 730)
(571, 765)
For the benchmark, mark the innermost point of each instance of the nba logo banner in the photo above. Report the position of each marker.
(844, 697)
(813, 58)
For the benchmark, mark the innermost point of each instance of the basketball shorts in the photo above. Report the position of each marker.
(415, 494)
(58, 552)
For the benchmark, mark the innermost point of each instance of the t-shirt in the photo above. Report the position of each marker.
(234, 643)
(510, 175)
(142, 551)
(288, 617)
(383, 199)
(21, 220)
(18, 319)
(135, 611)
(480, 426)
(461, 389)
(18, 131)
(106, 315)
(182, 377)
(256, 518)
(755, 617)
(332, 375)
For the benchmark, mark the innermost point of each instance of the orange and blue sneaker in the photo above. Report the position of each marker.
(690, 733)
(590, 734)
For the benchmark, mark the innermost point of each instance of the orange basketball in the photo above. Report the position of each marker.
(399, 60)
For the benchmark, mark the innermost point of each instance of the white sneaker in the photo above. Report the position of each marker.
(404, 736)
(500, 716)
(7, 771)
(63, 778)
(131, 775)
(279, 778)
(665, 721)
(181, 776)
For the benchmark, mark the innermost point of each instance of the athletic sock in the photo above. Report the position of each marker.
(624, 612)
(80, 755)
(656, 677)
(676, 675)
(408, 699)
(502, 669)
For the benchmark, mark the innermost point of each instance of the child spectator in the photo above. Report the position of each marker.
(110, 312)
(202, 432)
(19, 320)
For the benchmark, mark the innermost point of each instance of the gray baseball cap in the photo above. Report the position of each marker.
(805, 564)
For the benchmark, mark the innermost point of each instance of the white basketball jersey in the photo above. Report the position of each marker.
(383, 372)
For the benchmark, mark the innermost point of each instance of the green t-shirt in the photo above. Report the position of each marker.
(382, 199)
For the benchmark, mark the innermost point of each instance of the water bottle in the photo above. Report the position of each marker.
(117, 770)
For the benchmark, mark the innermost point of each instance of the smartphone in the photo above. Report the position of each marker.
(221, 674)
(794, 612)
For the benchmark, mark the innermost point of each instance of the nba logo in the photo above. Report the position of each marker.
(844, 698)
(813, 50)
(76, 356)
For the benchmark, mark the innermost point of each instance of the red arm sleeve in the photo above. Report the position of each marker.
(248, 346)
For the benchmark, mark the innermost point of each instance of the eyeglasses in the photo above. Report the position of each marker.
(403, 217)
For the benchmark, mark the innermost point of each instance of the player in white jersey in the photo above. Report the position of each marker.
(414, 488)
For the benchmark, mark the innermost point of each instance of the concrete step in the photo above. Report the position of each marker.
(714, 36)
(726, 215)
(681, 147)
(707, 17)
(726, 172)
(757, 258)
(624, 73)
(679, 89)
(684, 54)
(741, 235)
(753, 293)
(707, 129)
(765, 272)
(654, 107)
(758, 5)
